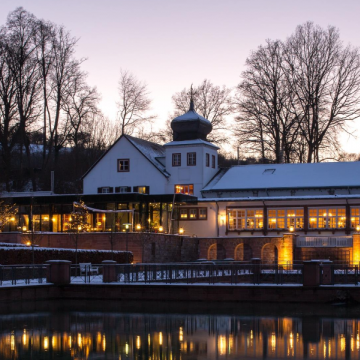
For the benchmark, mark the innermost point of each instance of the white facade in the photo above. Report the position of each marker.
(141, 171)
(198, 175)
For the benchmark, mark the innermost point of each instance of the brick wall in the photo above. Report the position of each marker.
(145, 247)
(150, 247)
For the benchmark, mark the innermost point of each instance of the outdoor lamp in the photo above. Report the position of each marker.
(181, 231)
(291, 228)
(223, 219)
(161, 229)
(358, 228)
(138, 227)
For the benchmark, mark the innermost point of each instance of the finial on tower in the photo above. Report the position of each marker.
(191, 98)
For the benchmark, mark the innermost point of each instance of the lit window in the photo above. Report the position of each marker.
(202, 213)
(176, 159)
(123, 165)
(207, 162)
(142, 189)
(285, 218)
(191, 159)
(193, 214)
(327, 218)
(183, 214)
(245, 219)
(355, 217)
(184, 189)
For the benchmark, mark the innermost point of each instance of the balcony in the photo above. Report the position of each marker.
(324, 241)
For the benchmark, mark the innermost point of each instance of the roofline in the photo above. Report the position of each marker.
(206, 143)
(217, 173)
(282, 188)
(126, 137)
(282, 198)
(98, 160)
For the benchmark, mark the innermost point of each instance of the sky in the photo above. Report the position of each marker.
(170, 44)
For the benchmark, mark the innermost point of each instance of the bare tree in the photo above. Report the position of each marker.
(266, 122)
(297, 95)
(8, 114)
(80, 109)
(212, 102)
(134, 104)
(324, 79)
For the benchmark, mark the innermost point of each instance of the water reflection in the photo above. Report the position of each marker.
(96, 335)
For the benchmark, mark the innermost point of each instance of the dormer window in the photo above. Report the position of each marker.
(123, 165)
(191, 159)
(176, 159)
(268, 171)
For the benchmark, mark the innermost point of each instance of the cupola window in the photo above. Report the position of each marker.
(176, 159)
(207, 161)
(191, 159)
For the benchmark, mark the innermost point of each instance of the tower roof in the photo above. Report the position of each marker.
(191, 125)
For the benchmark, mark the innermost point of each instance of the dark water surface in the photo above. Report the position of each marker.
(115, 330)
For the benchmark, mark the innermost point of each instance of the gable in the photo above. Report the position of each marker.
(149, 150)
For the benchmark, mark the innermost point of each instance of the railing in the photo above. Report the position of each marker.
(196, 273)
(186, 273)
(324, 241)
(22, 274)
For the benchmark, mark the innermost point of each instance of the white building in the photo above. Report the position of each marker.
(179, 185)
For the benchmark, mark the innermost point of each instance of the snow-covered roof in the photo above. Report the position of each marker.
(287, 176)
(281, 198)
(191, 142)
(191, 115)
(151, 151)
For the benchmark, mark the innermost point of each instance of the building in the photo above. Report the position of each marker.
(179, 186)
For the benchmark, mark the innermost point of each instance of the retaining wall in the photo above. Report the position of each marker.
(182, 293)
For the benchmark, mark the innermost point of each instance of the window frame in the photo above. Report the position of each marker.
(176, 163)
(128, 165)
(184, 185)
(191, 158)
(327, 219)
(245, 219)
(354, 218)
(187, 210)
(286, 218)
(213, 161)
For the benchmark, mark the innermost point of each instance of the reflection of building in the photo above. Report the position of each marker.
(318, 202)
(143, 336)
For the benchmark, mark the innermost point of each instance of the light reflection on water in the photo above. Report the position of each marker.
(101, 335)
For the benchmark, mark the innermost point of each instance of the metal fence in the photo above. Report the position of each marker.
(195, 273)
(184, 273)
(22, 274)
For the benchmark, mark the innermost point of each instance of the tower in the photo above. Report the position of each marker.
(190, 159)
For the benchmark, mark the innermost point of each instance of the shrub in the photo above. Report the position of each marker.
(21, 255)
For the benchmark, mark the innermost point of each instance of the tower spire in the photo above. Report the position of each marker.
(191, 99)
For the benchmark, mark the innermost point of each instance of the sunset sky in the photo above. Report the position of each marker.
(171, 44)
